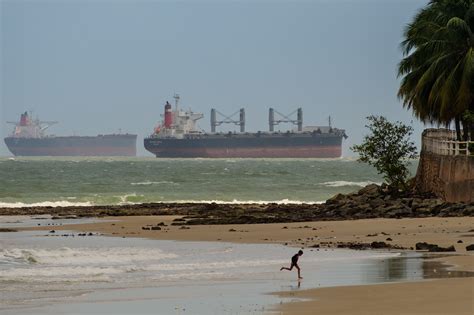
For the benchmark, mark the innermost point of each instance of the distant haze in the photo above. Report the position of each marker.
(100, 66)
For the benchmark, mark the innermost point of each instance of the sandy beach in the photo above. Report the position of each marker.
(442, 296)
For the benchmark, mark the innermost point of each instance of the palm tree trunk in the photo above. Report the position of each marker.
(458, 128)
(471, 122)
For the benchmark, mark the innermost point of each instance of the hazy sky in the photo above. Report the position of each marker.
(100, 66)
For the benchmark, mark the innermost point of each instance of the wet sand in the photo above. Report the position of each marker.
(444, 296)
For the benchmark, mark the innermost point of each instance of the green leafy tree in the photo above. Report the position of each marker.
(438, 68)
(388, 148)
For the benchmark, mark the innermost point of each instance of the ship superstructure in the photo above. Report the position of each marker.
(30, 128)
(178, 136)
(177, 123)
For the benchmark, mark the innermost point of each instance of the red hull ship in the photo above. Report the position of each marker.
(178, 136)
(28, 139)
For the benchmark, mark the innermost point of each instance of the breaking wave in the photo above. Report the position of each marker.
(62, 203)
(134, 199)
(78, 264)
(146, 183)
(341, 183)
(260, 202)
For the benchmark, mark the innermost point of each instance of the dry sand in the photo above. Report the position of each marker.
(444, 296)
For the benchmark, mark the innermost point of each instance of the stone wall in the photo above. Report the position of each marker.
(450, 177)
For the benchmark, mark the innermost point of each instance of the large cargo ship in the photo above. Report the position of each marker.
(178, 136)
(29, 139)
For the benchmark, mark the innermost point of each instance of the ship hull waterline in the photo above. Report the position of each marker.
(120, 145)
(281, 152)
(247, 147)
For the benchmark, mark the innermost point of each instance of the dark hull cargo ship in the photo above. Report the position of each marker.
(28, 139)
(178, 137)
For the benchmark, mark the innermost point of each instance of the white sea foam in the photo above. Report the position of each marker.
(125, 200)
(77, 264)
(146, 183)
(83, 256)
(236, 201)
(341, 183)
(61, 203)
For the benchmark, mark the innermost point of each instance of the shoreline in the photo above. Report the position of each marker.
(327, 234)
(371, 218)
(370, 202)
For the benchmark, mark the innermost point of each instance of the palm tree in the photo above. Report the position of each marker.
(438, 66)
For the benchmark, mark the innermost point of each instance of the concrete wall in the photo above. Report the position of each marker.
(450, 177)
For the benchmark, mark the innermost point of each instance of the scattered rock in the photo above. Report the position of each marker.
(470, 247)
(364, 246)
(156, 228)
(433, 247)
(460, 242)
(7, 230)
(389, 239)
(232, 230)
(379, 245)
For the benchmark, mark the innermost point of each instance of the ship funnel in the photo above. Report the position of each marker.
(168, 115)
(24, 119)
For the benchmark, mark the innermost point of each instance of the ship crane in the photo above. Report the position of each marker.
(43, 124)
(285, 118)
(227, 119)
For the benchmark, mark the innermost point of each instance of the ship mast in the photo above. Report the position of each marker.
(176, 100)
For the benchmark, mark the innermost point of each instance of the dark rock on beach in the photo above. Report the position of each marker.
(364, 246)
(433, 247)
(7, 230)
(372, 201)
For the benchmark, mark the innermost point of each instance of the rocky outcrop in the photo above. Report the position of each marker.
(380, 201)
(372, 201)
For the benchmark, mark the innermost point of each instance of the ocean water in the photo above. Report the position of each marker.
(105, 181)
(45, 274)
